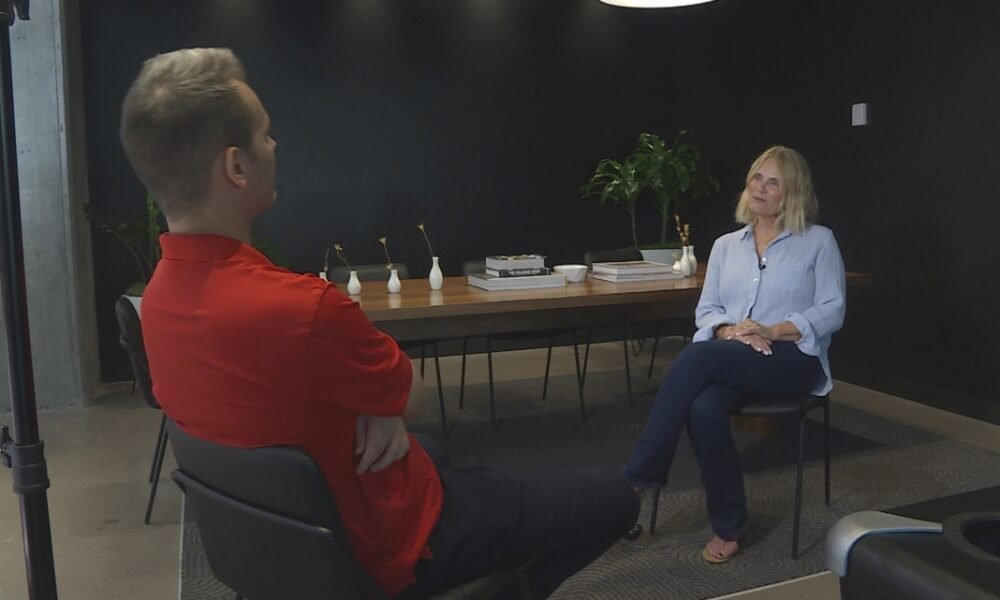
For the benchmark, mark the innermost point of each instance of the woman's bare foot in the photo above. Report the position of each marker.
(718, 550)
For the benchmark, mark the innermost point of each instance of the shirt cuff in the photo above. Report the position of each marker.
(808, 343)
(707, 332)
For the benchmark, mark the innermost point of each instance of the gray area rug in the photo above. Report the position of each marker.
(876, 464)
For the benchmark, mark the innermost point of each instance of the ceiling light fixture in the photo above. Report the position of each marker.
(653, 3)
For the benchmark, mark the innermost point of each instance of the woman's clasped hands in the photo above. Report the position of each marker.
(751, 333)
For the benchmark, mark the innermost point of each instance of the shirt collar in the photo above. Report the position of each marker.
(748, 234)
(206, 247)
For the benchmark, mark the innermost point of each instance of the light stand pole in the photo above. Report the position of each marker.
(25, 452)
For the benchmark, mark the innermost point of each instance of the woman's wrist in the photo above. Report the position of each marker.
(721, 332)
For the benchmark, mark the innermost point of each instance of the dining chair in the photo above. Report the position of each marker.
(271, 529)
(787, 406)
(131, 341)
(379, 272)
(479, 266)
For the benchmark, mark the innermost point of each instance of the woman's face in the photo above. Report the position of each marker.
(765, 187)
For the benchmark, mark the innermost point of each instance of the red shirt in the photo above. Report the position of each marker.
(247, 354)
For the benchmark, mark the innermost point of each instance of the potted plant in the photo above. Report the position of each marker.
(618, 183)
(673, 175)
(670, 174)
(140, 238)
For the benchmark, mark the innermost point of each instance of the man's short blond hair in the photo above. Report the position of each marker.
(181, 111)
(799, 206)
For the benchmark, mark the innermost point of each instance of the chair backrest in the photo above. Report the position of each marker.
(268, 524)
(589, 258)
(378, 272)
(130, 338)
(473, 266)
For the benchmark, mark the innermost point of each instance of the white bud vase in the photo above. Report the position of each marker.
(686, 263)
(354, 284)
(394, 283)
(322, 275)
(692, 260)
(436, 278)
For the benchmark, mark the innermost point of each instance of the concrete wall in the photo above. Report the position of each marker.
(48, 107)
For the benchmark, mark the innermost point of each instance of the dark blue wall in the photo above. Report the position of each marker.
(482, 118)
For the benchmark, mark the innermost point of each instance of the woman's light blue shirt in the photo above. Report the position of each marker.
(799, 279)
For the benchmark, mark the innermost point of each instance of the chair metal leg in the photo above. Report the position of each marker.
(798, 487)
(579, 380)
(461, 386)
(652, 357)
(548, 363)
(493, 404)
(826, 448)
(628, 370)
(586, 357)
(437, 370)
(160, 441)
(423, 355)
(656, 505)
(156, 479)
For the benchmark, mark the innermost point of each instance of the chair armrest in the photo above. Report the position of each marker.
(848, 530)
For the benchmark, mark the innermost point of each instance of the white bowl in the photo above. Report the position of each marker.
(573, 273)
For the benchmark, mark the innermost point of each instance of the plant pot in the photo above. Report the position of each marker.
(666, 256)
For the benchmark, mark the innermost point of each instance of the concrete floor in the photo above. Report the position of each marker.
(99, 460)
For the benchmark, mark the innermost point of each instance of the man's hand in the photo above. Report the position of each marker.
(379, 442)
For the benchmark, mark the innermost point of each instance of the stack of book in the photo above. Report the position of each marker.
(516, 272)
(633, 270)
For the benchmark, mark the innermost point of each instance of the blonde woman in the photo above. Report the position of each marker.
(773, 296)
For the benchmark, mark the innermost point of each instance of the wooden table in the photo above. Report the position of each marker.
(458, 309)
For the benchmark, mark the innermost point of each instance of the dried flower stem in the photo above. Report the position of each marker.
(385, 246)
(423, 230)
(340, 254)
(326, 260)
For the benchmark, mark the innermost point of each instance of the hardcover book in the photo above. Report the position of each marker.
(632, 267)
(517, 272)
(492, 282)
(500, 262)
(625, 277)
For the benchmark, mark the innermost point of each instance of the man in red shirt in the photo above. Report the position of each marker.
(247, 354)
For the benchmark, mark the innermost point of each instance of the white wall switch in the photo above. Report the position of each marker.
(859, 114)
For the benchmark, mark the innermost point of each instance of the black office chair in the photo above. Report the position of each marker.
(379, 272)
(479, 266)
(271, 530)
(799, 406)
(130, 339)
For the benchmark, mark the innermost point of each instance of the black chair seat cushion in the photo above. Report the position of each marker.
(773, 407)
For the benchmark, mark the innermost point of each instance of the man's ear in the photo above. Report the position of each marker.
(233, 166)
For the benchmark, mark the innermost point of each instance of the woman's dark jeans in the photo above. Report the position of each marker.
(706, 383)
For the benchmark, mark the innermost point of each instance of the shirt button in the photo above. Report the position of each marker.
(755, 280)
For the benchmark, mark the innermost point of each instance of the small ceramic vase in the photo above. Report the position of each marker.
(354, 284)
(394, 283)
(322, 275)
(692, 259)
(436, 278)
(686, 263)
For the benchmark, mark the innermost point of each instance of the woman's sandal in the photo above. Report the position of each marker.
(634, 533)
(718, 550)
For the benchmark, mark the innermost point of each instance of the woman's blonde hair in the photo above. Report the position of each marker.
(799, 206)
